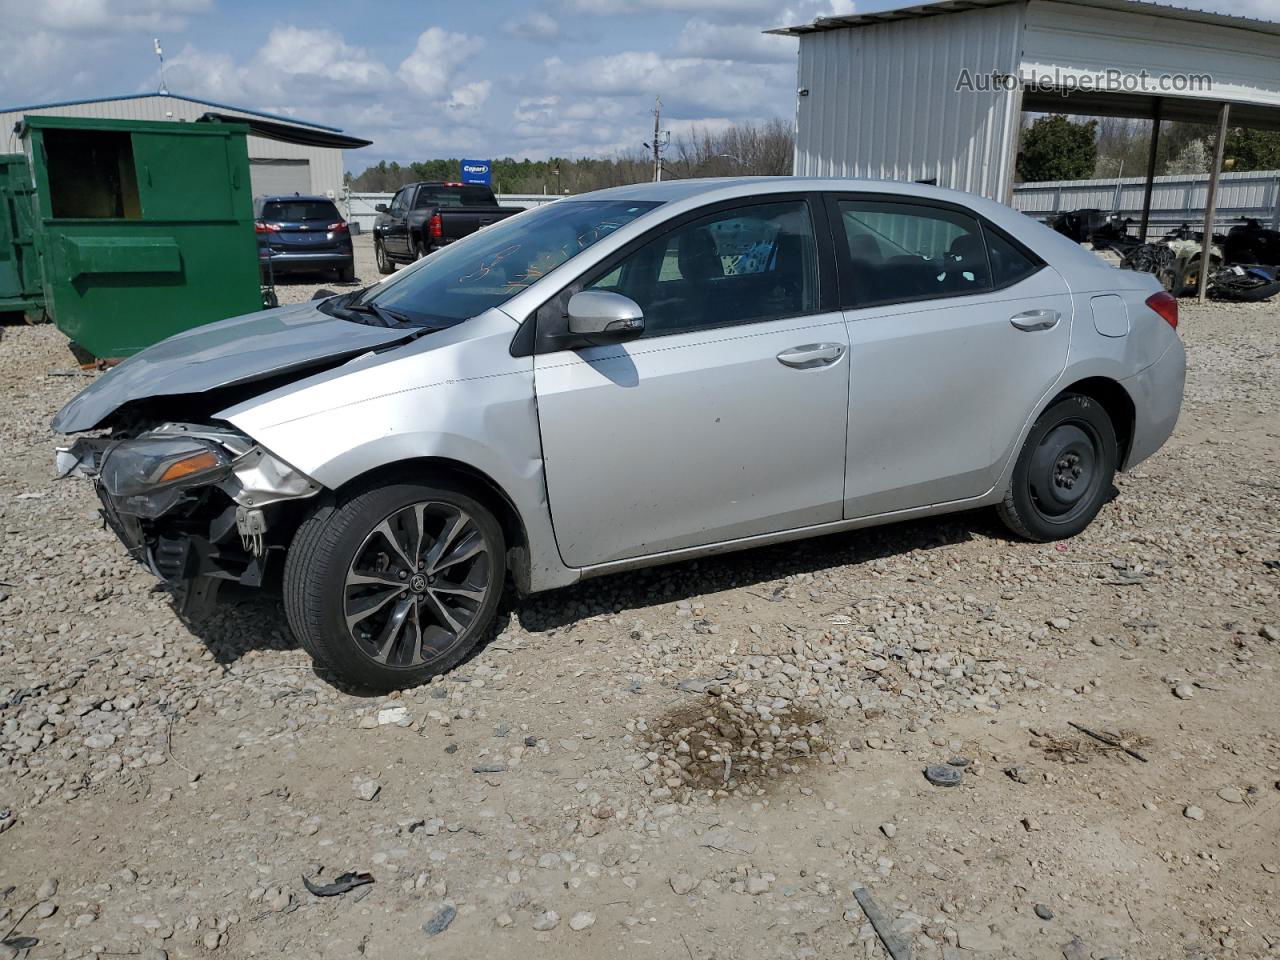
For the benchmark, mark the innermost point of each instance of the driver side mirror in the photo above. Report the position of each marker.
(380, 207)
(604, 317)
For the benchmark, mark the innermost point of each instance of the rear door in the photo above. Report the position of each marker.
(302, 225)
(727, 418)
(955, 332)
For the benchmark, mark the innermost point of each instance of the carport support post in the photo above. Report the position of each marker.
(1151, 170)
(1211, 201)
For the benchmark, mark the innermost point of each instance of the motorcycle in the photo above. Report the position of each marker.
(1252, 243)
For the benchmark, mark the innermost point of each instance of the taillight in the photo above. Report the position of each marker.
(261, 227)
(1166, 305)
(339, 227)
(435, 229)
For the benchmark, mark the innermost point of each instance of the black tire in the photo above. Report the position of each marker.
(346, 274)
(419, 251)
(385, 263)
(1064, 472)
(341, 542)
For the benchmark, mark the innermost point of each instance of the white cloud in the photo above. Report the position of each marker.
(469, 96)
(295, 66)
(429, 69)
(98, 16)
(536, 26)
(737, 8)
(320, 60)
(723, 86)
(207, 74)
(702, 38)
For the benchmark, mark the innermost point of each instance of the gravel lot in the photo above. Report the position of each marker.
(696, 762)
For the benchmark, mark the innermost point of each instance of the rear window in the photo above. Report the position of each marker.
(291, 211)
(459, 196)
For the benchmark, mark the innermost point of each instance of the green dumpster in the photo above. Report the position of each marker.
(144, 229)
(20, 287)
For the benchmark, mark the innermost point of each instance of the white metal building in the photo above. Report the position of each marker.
(885, 95)
(276, 166)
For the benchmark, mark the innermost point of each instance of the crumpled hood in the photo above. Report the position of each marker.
(238, 350)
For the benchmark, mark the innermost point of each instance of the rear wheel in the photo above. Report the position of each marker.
(394, 584)
(385, 265)
(419, 251)
(347, 274)
(1064, 473)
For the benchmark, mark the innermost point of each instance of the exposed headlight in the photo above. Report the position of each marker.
(150, 464)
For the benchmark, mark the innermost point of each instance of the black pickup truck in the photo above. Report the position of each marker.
(423, 217)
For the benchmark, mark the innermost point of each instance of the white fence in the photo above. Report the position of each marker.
(1174, 200)
(362, 207)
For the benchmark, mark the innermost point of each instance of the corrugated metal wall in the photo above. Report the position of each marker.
(1074, 40)
(883, 102)
(325, 163)
(1174, 200)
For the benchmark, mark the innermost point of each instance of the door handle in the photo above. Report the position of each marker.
(1036, 320)
(811, 355)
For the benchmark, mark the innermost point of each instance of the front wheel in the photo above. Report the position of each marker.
(385, 265)
(395, 584)
(1063, 474)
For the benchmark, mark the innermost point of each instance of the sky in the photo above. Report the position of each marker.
(488, 78)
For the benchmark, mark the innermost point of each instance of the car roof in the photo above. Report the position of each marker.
(728, 188)
(276, 197)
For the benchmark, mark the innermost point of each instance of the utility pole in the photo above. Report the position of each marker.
(657, 139)
(660, 139)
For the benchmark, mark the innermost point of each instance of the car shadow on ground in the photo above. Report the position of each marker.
(246, 620)
(751, 569)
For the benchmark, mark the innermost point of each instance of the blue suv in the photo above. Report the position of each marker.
(298, 234)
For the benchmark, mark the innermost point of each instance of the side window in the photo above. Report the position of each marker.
(1009, 264)
(745, 265)
(900, 251)
(399, 203)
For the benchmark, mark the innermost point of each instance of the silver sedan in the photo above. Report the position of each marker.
(631, 377)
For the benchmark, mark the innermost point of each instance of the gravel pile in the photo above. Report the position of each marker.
(702, 760)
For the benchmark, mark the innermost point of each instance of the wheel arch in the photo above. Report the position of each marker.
(476, 482)
(1115, 400)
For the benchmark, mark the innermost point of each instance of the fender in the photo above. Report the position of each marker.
(454, 394)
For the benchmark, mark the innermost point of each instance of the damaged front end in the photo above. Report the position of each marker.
(195, 504)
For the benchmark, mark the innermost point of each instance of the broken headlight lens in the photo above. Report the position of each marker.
(146, 465)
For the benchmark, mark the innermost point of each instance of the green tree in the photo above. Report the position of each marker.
(1054, 148)
(1253, 149)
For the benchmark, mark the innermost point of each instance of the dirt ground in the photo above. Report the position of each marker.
(702, 761)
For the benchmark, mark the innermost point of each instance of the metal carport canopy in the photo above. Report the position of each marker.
(1120, 58)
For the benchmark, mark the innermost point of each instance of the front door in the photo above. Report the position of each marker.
(395, 234)
(726, 419)
(955, 333)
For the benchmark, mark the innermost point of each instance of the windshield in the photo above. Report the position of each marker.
(488, 268)
(294, 210)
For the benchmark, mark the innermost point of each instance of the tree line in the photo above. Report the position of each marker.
(745, 149)
(1054, 147)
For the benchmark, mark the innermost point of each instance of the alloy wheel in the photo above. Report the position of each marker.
(416, 584)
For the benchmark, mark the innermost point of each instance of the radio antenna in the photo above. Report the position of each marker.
(160, 56)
